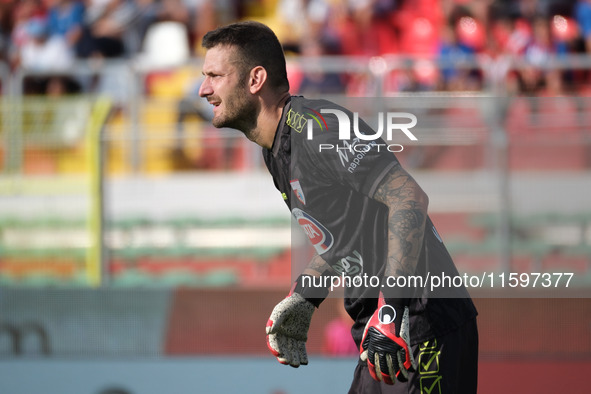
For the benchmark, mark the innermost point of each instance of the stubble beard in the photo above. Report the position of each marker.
(241, 114)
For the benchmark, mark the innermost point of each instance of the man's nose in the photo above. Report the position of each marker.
(205, 88)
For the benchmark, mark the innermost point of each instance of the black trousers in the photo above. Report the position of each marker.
(446, 365)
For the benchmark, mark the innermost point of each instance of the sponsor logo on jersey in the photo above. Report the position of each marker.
(350, 158)
(350, 265)
(298, 121)
(297, 189)
(319, 236)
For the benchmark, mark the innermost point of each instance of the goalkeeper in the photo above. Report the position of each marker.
(364, 214)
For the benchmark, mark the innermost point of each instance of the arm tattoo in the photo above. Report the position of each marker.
(318, 267)
(407, 204)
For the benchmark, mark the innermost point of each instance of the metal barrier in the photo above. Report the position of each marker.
(148, 116)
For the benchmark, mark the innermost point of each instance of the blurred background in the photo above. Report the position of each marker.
(142, 250)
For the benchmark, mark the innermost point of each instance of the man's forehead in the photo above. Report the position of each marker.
(221, 55)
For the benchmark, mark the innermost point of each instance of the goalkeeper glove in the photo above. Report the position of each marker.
(385, 343)
(287, 327)
(287, 330)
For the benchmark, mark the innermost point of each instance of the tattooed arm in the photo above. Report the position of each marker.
(318, 267)
(407, 204)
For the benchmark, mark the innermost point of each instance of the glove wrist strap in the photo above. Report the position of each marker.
(304, 286)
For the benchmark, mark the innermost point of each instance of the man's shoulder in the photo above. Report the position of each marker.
(311, 120)
(301, 103)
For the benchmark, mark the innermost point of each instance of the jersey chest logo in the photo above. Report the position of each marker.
(319, 236)
(297, 189)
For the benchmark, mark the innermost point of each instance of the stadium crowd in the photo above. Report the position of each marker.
(51, 34)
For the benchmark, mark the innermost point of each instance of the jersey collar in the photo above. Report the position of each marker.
(280, 128)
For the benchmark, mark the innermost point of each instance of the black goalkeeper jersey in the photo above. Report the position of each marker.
(328, 184)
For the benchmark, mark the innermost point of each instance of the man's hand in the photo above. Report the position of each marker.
(287, 330)
(386, 344)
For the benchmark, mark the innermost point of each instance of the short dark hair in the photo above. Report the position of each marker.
(257, 45)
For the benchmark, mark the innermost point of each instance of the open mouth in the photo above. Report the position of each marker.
(214, 103)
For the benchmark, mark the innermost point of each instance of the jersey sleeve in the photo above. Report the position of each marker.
(358, 163)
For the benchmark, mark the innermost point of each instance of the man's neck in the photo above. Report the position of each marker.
(268, 121)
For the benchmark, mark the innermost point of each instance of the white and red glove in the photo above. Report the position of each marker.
(287, 330)
(385, 344)
(287, 327)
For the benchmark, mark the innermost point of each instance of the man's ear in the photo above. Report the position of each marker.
(258, 77)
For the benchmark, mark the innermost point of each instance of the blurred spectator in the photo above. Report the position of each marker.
(173, 11)
(386, 31)
(46, 53)
(565, 35)
(364, 27)
(359, 29)
(511, 35)
(496, 69)
(107, 22)
(116, 29)
(166, 42)
(302, 21)
(5, 29)
(540, 47)
(66, 20)
(536, 54)
(419, 24)
(528, 30)
(550, 37)
(530, 10)
(23, 13)
(145, 15)
(203, 17)
(583, 16)
(451, 50)
(318, 82)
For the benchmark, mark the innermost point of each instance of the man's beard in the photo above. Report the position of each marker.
(240, 114)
